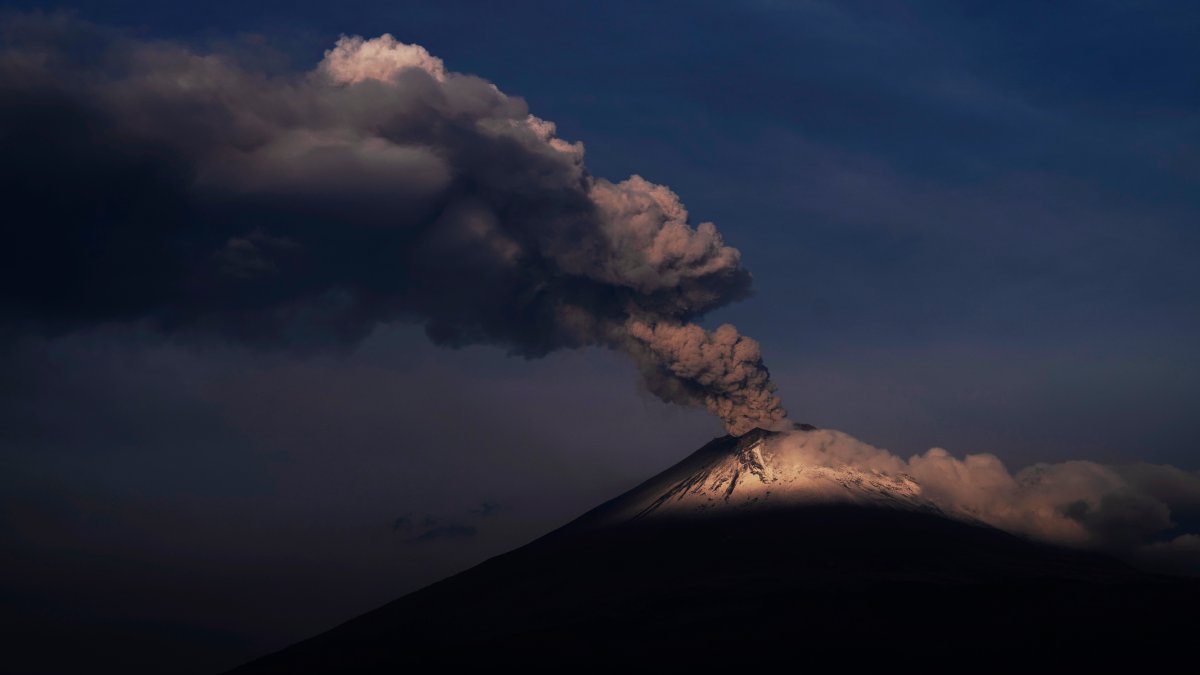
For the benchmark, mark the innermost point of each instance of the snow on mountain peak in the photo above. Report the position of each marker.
(765, 470)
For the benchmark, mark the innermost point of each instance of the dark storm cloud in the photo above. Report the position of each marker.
(154, 183)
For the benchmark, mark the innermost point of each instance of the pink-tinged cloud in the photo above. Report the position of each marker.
(200, 194)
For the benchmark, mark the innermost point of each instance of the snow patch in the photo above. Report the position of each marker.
(757, 472)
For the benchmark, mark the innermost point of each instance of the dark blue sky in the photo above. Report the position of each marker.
(970, 225)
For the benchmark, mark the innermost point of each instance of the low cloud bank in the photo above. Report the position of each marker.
(1134, 510)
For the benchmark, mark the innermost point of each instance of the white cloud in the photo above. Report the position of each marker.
(1080, 503)
(354, 59)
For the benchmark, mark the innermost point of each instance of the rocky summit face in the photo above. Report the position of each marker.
(754, 473)
(745, 554)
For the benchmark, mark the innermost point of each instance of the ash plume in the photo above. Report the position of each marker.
(721, 369)
(1140, 511)
(157, 183)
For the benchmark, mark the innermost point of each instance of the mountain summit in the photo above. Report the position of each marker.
(742, 554)
(751, 473)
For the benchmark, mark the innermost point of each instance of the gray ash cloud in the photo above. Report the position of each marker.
(151, 182)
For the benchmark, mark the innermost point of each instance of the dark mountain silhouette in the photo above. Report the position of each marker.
(728, 560)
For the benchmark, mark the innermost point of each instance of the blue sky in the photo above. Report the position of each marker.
(977, 221)
(970, 225)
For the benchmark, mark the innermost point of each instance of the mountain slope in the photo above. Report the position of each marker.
(700, 566)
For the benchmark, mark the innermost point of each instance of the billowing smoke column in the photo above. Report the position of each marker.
(722, 369)
(152, 182)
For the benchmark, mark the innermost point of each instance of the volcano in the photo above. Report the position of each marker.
(741, 555)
